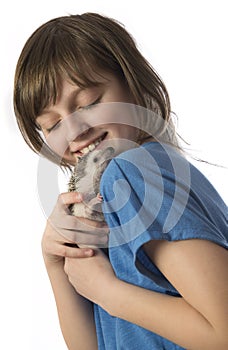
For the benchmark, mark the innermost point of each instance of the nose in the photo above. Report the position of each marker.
(74, 126)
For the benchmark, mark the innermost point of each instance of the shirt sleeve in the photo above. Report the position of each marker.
(144, 201)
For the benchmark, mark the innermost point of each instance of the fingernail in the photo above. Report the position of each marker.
(104, 239)
(106, 230)
(89, 252)
(78, 196)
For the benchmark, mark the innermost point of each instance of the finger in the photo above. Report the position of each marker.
(85, 239)
(67, 198)
(63, 235)
(73, 223)
(86, 225)
(67, 251)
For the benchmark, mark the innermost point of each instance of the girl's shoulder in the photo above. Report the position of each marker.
(158, 184)
(156, 162)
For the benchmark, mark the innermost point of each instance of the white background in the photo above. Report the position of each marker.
(186, 42)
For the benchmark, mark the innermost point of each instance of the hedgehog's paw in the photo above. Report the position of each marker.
(94, 210)
(99, 197)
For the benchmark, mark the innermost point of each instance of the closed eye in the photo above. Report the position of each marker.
(91, 105)
(53, 127)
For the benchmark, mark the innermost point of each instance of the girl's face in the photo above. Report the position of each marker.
(84, 119)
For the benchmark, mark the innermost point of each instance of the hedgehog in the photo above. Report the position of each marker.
(86, 180)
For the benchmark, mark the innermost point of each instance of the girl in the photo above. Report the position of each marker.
(81, 84)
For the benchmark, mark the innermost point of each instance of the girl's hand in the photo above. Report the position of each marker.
(63, 232)
(93, 278)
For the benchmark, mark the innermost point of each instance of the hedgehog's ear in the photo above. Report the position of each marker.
(110, 151)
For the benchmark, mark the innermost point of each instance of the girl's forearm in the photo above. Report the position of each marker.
(170, 317)
(75, 312)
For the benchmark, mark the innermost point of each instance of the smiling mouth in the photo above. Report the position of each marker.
(91, 146)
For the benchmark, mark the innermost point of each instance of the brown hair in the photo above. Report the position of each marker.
(74, 47)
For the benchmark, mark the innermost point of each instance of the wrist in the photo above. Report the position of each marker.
(53, 262)
(112, 300)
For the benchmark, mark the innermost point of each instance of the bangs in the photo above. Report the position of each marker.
(57, 52)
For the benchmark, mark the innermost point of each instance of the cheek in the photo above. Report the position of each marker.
(64, 133)
(122, 138)
(123, 114)
(57, 142)
(125, 132)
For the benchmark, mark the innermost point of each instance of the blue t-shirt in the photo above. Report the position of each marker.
(152, 193)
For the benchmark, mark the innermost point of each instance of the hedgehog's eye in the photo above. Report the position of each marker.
(95, 159)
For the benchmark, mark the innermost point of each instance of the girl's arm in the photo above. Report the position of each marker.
(62, 231)
(198, 270)
(75, 312)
